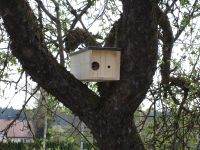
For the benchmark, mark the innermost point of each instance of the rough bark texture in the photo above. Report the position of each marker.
(110, 117)
(136, 31)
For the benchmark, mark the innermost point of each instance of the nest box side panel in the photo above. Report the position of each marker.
(80, 65)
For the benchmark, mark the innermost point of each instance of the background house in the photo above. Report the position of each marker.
(18, 131)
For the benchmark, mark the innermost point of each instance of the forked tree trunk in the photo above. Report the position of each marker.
(110, 116)
(137, 36)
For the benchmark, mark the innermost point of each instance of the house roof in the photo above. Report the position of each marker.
(19, 129)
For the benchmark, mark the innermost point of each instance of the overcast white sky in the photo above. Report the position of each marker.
(14, 95)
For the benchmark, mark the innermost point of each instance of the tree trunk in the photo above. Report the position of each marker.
(110, 115)
(118, 134)
(137, 36)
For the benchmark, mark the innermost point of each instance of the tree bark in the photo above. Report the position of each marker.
(117, 131)
(110, 116)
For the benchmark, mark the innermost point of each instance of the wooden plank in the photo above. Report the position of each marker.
(80, 64)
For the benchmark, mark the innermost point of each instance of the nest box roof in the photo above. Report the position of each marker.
(96, 48)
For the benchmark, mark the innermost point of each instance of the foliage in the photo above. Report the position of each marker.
(32, 146)
(57, 133)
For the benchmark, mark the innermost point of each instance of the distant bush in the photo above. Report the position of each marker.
(34, 146)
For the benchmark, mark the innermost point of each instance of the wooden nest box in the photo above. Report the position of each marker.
(96, 64)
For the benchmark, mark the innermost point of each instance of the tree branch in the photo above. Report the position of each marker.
(168, 9)
(79, 36)
(190, 17)
(46, 11)
(168, 40)
(78, 16)
(28, 46)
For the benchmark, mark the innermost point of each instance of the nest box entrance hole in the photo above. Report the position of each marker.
(95, 65)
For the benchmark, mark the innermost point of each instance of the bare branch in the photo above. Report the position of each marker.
(27, 45)
(168, 40)
(190, 16)
(46, 11)
(78, 16)
(168, 9)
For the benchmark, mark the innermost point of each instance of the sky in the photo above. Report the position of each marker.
(13, 95)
